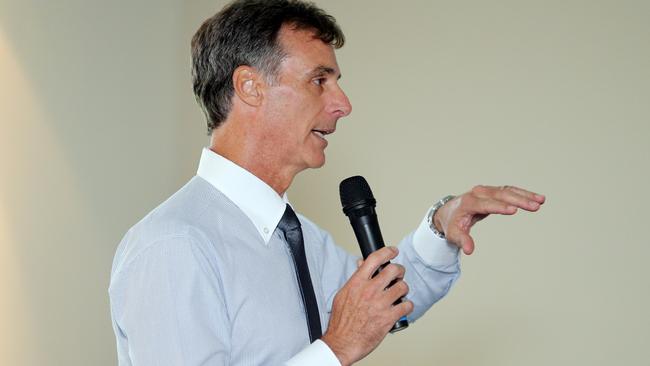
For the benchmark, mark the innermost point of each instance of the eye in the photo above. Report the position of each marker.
(319, 81)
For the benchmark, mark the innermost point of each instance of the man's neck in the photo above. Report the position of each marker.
(245, 151)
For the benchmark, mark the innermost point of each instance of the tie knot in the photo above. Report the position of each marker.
(289, 220)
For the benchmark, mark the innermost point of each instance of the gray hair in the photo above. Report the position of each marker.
(245, 32)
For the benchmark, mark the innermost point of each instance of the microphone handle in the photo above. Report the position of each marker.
(366, 229)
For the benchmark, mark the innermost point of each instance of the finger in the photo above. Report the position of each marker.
(539, 198)
(402, 309)
(492, 206)
(533, 200)
(461, 240)
(398, 290)
(508, 195)
(467, 244)
(389, 274)
(376, 259)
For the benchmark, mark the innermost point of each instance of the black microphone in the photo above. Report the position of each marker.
(359, 206)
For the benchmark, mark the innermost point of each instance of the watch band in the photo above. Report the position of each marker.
(433, 211)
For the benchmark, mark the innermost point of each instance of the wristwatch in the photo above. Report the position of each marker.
(433, 211)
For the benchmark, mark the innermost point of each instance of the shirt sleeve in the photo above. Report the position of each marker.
(316, 354)
(433, 250)
(432, 267)
(168, 307)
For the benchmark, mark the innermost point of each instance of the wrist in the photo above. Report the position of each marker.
(434, 217)
(337, 348)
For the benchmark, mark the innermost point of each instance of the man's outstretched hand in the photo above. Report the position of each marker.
(456, 218)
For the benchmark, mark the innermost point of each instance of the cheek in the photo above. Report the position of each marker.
(286, 107)
(292, 114)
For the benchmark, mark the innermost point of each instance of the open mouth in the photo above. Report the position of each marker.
(322, 133)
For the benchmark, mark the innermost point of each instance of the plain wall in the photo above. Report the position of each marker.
(91, 101)
(99, 126)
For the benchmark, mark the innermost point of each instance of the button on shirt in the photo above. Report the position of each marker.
(206, 279)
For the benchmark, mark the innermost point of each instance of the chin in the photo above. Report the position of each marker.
(317, 162)
(317, 165)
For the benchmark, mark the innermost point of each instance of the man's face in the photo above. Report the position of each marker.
(305, 102)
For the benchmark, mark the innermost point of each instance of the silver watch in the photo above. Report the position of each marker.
(433, 211)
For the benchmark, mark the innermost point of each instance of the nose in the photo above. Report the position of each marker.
(340, 104)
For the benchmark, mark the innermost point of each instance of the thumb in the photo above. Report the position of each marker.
(466, 243)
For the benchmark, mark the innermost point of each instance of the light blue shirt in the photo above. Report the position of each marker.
(206, 279)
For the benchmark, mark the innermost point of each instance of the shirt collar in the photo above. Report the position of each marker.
(263, 206)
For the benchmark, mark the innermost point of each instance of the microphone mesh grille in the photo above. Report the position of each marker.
(353, 190)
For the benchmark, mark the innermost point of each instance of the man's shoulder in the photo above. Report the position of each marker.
(184, 218)
(179, 213)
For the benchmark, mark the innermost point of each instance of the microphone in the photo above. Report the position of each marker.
(359, 206)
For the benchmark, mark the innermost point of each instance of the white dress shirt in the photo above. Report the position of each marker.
(206, 279)
(264, 207)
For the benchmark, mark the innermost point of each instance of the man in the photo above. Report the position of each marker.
(223, 272)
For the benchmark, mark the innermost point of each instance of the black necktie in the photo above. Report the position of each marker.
(290, 226)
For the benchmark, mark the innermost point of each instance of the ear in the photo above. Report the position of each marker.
(248, 85)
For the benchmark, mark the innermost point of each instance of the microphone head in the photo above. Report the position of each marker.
(355, 193)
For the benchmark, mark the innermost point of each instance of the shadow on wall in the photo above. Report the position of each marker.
(19, 111)
(89, 118)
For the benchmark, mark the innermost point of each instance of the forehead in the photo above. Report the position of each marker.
(305, 52)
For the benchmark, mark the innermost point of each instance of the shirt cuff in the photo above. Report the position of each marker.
(316, 354)
(434, 251)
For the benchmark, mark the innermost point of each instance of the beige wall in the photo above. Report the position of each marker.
(91, 96)
(98, 126)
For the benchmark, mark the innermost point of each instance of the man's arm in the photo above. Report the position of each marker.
(168, 307)
(362, 313)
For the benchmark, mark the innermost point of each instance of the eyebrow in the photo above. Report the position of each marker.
(323, 70)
